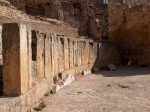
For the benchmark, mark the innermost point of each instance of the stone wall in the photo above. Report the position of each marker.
(129, 25)
(33, 59)
(89, 16)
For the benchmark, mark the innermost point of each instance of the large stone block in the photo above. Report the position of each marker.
(71, 53)
(56, 64)
(79, 53)
(61, 54)
(66, 53)
(48, 56)
(40, 56)
(75, 54)
(15, 59)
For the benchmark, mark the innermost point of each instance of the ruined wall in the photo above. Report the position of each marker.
(89, 16)
(130, 26)
(34, 59)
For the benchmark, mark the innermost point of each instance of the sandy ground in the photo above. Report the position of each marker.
(125, 90)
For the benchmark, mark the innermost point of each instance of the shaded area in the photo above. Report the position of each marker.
(108, 52)
(126, 71)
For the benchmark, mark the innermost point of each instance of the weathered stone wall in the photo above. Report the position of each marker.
(129, 25)
(89, 16)
(34, 58)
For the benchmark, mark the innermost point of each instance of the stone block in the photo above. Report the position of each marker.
(65, 82)
(86, 72)
(79, 53)
(15, 59)
(48, 56)
(66, 53)
(40, 56)
(71, 53)
(55, 49)
(61, 56)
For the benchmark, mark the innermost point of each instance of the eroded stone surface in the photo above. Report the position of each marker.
(130, 26)
(89, 16)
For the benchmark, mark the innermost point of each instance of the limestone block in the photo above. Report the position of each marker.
(56, 88)
(15, 59)
(71, 53)
(53, 36)
(48, 68)
(65, 82)
(54, 54)
(86, 52)
(86, 72)
(40, 56)
(83, 45)
(68, 79)
(79, 53)
(75, 55)
(66, 53)
(61, 55)
(29, 53)
(56, 64)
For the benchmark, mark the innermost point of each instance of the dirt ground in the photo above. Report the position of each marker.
(125, 90)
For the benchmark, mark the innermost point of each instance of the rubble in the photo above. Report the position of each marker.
(61, 84)
(86, 72)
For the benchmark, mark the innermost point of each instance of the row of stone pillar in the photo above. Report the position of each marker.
(30, 56)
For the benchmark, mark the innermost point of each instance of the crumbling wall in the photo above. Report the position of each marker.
(89, 16)
(130, 27)
(34, 59)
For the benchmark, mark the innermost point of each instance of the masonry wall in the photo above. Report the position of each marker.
(34, 59)
(129, 25)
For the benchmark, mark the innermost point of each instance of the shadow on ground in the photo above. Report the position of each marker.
(124, 71)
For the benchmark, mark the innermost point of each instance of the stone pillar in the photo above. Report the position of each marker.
(40, 56)
(15, 59)
(71, 53)
(66, 53)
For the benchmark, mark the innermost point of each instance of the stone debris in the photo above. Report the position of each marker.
(66, 81)
(38, 107)
(86, 72)
(112, 67)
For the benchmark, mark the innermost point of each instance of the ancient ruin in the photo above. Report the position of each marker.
(44, 41)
